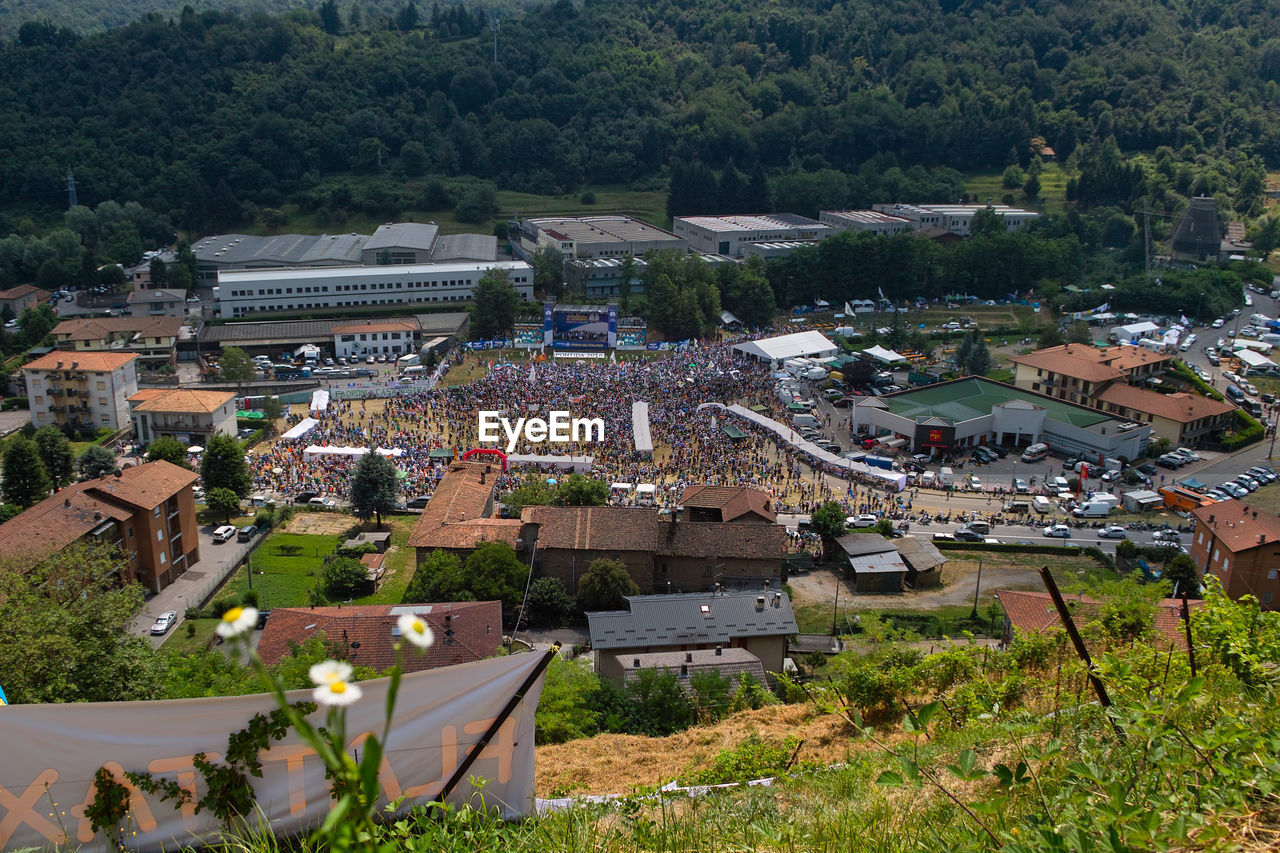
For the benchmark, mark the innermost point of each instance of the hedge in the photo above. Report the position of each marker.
(1009, 547)
(1183, 372)
(1248, 430)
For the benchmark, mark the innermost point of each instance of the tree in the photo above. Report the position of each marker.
(375, 489)
(828, 522)
(437, 564)
(549, 602)
(95, 462)
(91, 656)
(272, 408)
(626, 272)
(222, 466)
(603, 585)
(413, 158)
(476, 204)
(548, 271)
(329, 20)
(1031, 189)
(580, 490)
(55, 453)
(36, 323)
(169, 449)
(1078, 333)
(975, 359)
(159, 273)
(1181, 572)
(343, 578)
(224, 502)
(25, 480)
(496, 300)
(664, 708)
(1050, 337)
(494, 572)
(236, 366)
(8, 511)
(407, 17)
(533, 491)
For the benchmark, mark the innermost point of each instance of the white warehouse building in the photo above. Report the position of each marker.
(729, 235)
(244, 292)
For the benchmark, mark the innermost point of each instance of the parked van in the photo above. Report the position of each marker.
(1094, 509)
(803, 420)
(929, 479)
(946, 478)
(1035, 452)
(1041, 504)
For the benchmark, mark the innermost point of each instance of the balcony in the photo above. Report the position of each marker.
(56, 390)
(77, 392)
(59, 409)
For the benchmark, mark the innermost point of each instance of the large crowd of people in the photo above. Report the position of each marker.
(691, 445)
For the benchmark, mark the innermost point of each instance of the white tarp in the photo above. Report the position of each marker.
(887, 356)
(51, 753)
(319, 400)
(1255, 360)
(301, 428)
(640, 427)
(896, 478)
(311, 451)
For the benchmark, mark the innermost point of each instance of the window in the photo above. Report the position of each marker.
(102, 386)
(163, 558)
(157, 514)
(1271, 574)
(706, 571)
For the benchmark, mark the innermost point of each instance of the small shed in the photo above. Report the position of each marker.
(924, 562)
(874, 563)
(375, 566)
(381, 541)
(1141, 500)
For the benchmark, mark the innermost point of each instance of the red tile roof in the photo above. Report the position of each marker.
(78, 510)
(1238, 526)
(1075, 360)
(1182, 408)
(181, 400)
(732, 501)
(462, 495)
(58, 360)
(100, 328)
(20, 291)
(1035, 612)
(614, 528)
(476, 632)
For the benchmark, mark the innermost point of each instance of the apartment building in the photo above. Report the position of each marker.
(188, 416)
(85, 391)
(153, 339)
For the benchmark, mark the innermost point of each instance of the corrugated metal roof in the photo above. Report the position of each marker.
(662, 620)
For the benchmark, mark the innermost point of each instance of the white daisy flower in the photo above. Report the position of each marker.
(329, 671)
(237, 621)
(416, 630)
(337, 693)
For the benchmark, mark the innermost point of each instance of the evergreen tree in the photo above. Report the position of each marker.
(25, 480)
(222, 466)
(759, 199)
(95, 462)
(329, 20)
(496, 299)
(731, 193)
(407, 18)
(626, 272)
(374, 487)
(55, 453)
(603, 585)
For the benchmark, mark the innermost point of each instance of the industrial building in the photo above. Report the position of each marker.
(274, 337)
(955, 218)
(608, 236)
(258, 291)
(872, 221)
(390, 244)
(728, 235)
(967, 412)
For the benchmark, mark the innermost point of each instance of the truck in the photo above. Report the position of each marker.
(879, 462)
(288, 371)
(805, 420)
(946, 478)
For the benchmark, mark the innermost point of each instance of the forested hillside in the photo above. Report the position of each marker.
(196, 115)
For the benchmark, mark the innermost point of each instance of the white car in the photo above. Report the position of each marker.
(864, 520)
(975, 483)
(1020, 485)
(224, 533)
(1113, 531)
(1218, 323)
(1060, 531)
(164, 623)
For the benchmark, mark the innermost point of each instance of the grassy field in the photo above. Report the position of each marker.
(985, 186)
(287, 565)
(647, 206)
(180, 642)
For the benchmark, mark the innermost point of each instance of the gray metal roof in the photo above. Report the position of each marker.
(697, 617)
(289, 331)
(228, 250)
(729, 663)
(403, 235)
(856, 544)
(886, 563)
(471, 247)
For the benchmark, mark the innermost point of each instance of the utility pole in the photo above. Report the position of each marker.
(976, 588)
(71, 188)
(495, 24)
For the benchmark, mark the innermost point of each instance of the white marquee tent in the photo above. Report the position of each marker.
(301, 428)
(783, 347)
(886, 356)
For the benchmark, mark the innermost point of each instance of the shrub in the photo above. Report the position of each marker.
(249, 598)
(358, 551)
(754, 758)
(1247, 432)
(221, 606)
(343, 577)
(264, 519)
(1127, 549)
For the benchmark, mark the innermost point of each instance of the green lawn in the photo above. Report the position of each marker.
(285, 567)
(1053, 189)
(180, 642)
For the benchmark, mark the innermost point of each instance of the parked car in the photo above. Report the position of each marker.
(418, 502)
(319, 501)
(224, 533)
(1234, 489)
(304, 497)
(1171, 536)
(1060, 531)
(368, 359)
(964, 534)
(975, 483)
(1147, 470)
(164, 622)
(864, 520)
(246, 533)
(1113, 531)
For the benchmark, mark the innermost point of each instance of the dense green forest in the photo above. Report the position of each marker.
(199, 115)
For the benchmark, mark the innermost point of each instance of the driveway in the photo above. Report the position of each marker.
(217, 560)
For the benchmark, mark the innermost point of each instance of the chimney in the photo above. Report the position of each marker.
(766, 584)
(1262, 538)
(777, 599)
(684, 670)
(482, 473)
(97, 516)
(688, 657)
(66, 501)
(636, 663)
(118, 473)
(1255, 515)
(759, 602)
(1211, 518)
(719, 650)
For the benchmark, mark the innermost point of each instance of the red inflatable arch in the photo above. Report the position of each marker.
(487, 451)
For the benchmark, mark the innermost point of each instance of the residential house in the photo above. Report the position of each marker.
(757, 622)
(24, 296)
(147, 511)
(191, 417)
(374, 337)
(738, 504)
(1035, 613)
(84, 391)
(1182, 418)
(366, 635)
(158, 302)
(731, 664)
(153, 339)
(1239, 544)
(457, 518)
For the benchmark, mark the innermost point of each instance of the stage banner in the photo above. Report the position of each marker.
(51, 752)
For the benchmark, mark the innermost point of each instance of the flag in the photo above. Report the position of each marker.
(613, 357)
(532, 375)
(3, 700)
(880, 290)
(848, 309)
(1184, 320)
(1103, 307)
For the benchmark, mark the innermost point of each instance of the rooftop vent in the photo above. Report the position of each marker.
(719, 650)
(635, 662)
(688, 657)
(759, 602)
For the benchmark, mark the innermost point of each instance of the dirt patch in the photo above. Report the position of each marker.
(616, 764)
(319, 523)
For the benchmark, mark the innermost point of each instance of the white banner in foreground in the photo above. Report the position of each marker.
(51, 752)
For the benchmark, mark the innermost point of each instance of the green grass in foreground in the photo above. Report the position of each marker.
(179, 640)
(285, 567)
